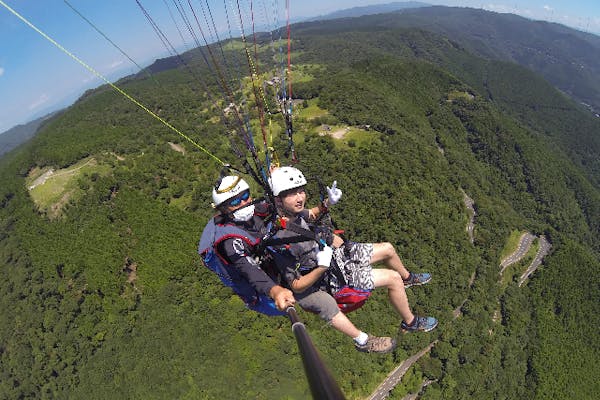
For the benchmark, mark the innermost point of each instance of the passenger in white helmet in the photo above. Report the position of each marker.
(312, 272)
(233, 235)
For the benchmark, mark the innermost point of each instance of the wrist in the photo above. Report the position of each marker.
(323, 206)
(274, 291)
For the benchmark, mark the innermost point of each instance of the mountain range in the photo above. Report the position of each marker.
(20, 134)
(369, 10)
(567, 58)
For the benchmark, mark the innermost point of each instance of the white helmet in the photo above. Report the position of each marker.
(230, 186)
(286, 178)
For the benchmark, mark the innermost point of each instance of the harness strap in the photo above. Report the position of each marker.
(304, 235)
(307, 233)
(286, 240)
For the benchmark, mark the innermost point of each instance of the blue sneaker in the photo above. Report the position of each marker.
(423, 324)
(417, 279)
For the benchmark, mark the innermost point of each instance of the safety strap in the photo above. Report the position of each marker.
(304, 235)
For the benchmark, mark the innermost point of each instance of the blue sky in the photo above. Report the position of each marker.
(36, 77)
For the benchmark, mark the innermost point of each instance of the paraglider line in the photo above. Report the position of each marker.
(99, 75)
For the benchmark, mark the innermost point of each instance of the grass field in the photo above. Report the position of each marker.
(51, 190)
(454, 95)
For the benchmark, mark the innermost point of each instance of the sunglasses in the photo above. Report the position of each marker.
(236, 201)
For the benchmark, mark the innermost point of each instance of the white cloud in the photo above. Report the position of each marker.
(1, 71)
(504, 8)
(43, 99)
(549, 13)
(115, 64)
(501, 8)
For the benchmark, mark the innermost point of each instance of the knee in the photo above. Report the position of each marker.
(330, 313)
(395, 280)
(391, 279)
(388, 249)
(336, 319)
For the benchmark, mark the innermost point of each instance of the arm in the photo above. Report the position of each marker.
(302, 283)
(315, 212)
(241, 257)
(333, 196)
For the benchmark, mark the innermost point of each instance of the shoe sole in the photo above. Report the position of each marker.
(378, 352)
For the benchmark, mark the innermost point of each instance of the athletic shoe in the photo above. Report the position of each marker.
(417, 279)
(376, 344)
(424, 324)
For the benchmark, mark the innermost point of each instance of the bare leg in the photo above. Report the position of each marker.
(344, 325)
(385, 253)
(397, 294)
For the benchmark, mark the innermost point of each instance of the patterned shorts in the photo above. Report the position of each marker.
(353, 260)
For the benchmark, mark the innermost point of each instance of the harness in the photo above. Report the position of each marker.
(208, 248)
(348, 298)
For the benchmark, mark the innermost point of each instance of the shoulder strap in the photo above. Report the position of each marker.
(304, 235)
(307, 233)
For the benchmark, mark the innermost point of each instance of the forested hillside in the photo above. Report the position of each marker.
(103, 295)
(568, 58)
(557, 53)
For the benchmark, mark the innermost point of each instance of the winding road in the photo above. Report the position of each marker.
(525, 241)
(469, 203)
(524, 245)
(396, 375)
(541, 253)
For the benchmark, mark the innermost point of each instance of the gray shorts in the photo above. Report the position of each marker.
(353, 260)
(318, 301)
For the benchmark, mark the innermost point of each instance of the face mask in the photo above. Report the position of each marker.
(244, 213)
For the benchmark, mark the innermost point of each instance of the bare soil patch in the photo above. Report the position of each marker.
(177, 147)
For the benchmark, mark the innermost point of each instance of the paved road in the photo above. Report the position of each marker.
(469, 203)
(524, 245)
(396, 375)
(542, 251)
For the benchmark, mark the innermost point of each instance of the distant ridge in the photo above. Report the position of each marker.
(566, 57)
(369, 10)
(20, 134)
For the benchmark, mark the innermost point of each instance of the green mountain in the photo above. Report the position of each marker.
(557, 53)
(20, 134)
(567, 58)
(103, 295)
